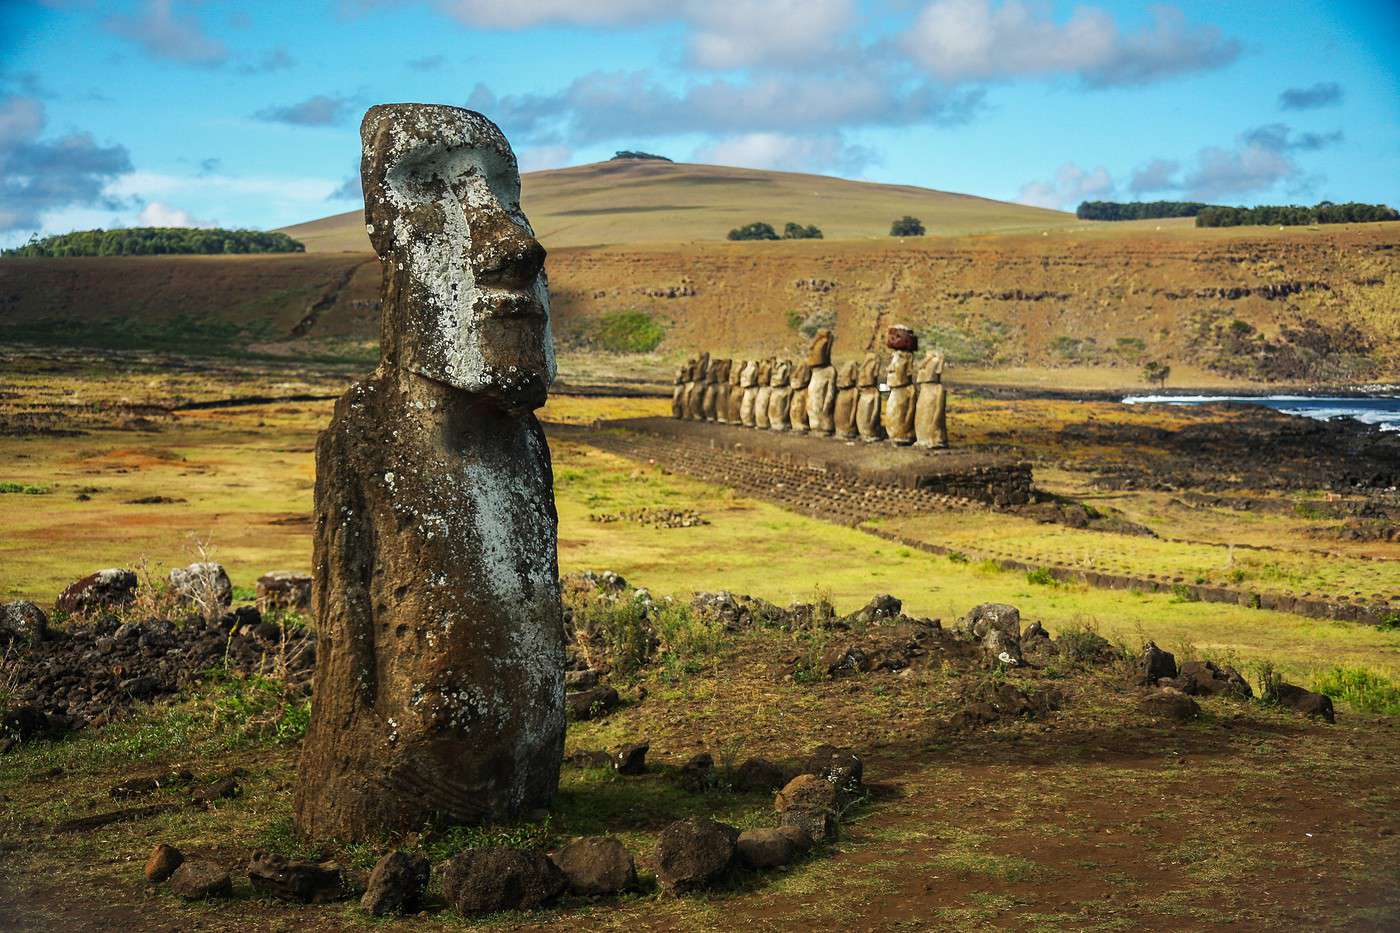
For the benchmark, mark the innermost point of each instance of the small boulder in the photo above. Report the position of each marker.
(225, 789)
(103, 589)
(1156, 664)
(295, 880)
(1170, 705)
(806, 792)
(591, 704)
(759, 775)
(632, 759)
(203, 585)
(880, 609)
(397, 884)
(988, 616)
(163, 861)
(818, 825)
(1316, 705)
(692, 854)
(480, 881)
(199, 879)
(284, 589)
(23, 622)
(597, 865)
(696, 775)
(1204, 678)
(584, 758)
(771, 848)
(842, 767)
(580, 680)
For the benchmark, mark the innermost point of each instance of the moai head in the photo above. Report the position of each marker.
(801, 375)
(465, 299)
(900, 371)
(930, 367)
(819, 353)
(702, 367)
(869, 371)
(716, 372)
(680, 375)
(848, 375)
(782, 371)
(765, 372)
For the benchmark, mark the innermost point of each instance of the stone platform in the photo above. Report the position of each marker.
(975, 476)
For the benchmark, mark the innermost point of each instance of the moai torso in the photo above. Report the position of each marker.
(844, 408)
(734, 398)
(780, 397)
(931, 412)
(868, 400)
(749, 380)
(722, 392)
(797, 406)
(898, 417)
(695, 393)
(439, 688)
(710, 399)
(821, 386)
(764, 393)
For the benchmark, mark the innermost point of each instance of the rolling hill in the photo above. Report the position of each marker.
(645, 201)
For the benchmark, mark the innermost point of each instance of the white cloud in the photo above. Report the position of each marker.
(971, 40)
(156, 214)
(152, 185)
(1071, 185)
(539, 158)
(163, 34)
(786, 152)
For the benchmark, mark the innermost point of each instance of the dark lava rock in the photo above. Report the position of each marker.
(397, 884)
(580, 680)
(294, 880)
(1204, 678)
(841, 767)
(584, 758)
(759, 775)
(163, 861)
(480, 881)
(893, 646)
(632, 759)
(771, 848)
(697, 774)
(591, 704)
(284, 589)
(21, 724)
(224, 789)
(140, 786)
(204, 586)
(201, 879)
(880, 609)
(692, 854)
(1170, 705)
(990, 701)
(103, 589)
(806, 792)
(596, 865)
(982, 619)
(1316, 705)
(818, 825)
(1156, 664)
(24, 622)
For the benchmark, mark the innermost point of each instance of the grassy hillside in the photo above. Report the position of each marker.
(664, 202)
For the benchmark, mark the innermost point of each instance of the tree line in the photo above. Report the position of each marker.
(1215, 215)
(157, 241)
(1137, 210)
(764, 231)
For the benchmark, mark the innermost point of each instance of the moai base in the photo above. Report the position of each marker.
(439, 685)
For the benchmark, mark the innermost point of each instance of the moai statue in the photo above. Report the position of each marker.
(781, 397)
(734, 397)
(722, 387)
(710, 398)
(764, 393)
(868, 400)
(821, 390)
(898, 417)
(748, 380)
(931, 412)
(439, 684)
(678, 393)
(695, 394)
(797, 407)
(844, 409)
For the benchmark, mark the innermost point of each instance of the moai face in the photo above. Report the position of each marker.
(848, 375)
(465, 301)
(869, 371)
(898, 373)
(930, 367)
(765, 372)
(819, 353)
(782, 370)
(801, 375)
(702, 367)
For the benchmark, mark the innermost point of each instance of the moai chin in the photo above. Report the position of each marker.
(931, 411)
(821, 387)
(780, 398)
(748, 379)
(763, 394)
(797, 407)
(844, 409)
(439, 685)
(868, 400)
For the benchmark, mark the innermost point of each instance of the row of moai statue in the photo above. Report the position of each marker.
(815, 397)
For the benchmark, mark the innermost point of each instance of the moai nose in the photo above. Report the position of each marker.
(503, 253)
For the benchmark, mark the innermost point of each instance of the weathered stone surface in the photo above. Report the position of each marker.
(723, 389)
(759, 775)
(1204, 678)
(678, 393)
(709, 402)
(439, 684)
(734, 394)
(1156, 664)
(748, 403)
(818, 825)
(780, 396)
(480, 881)
(695, 389)
(692, 854)
(845, 402)
(797, 404)
(1170, 705)
(397, 884)
(1316, 705)
(987, 616)
(591, 704)
(931, 409)
(24, 622)
(763, 394)
(868, 400)
(284, 589)
(296, 880)
(697, 774)
(772, 848)
(204, 586)
(596, 865)
(580, 680)
(881, 608)
(806, 792)
(898, 417)
(162, 863)
(901, 338)
(632, 759)
(840, 767)
(198, 879)
(102, 589)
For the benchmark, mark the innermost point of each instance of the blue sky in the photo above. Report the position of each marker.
(244, 114)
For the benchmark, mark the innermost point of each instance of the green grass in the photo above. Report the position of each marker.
(27, 489)
(1361, 689)
(628, 332)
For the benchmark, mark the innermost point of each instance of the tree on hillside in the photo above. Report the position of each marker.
(157, 241)
(1156, 371)
(907, 226)
(798, 232)
(758, 230)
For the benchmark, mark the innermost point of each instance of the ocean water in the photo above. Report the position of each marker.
(1383, 410)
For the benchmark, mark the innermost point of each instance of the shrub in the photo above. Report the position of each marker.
(1360, 689)
(1154, 371)
(758, 230)
(615, 635)
(1042, 576)
(27, 489)
(156, 241)
(628, 332)
(794, 231)
(907, 226)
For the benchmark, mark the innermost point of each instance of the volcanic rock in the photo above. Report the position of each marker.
(195, 880)
(480, 881)
(396, 884)
(596, 865)
(102, 589)
(692, 854)
(295, 880)
(163, 862)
